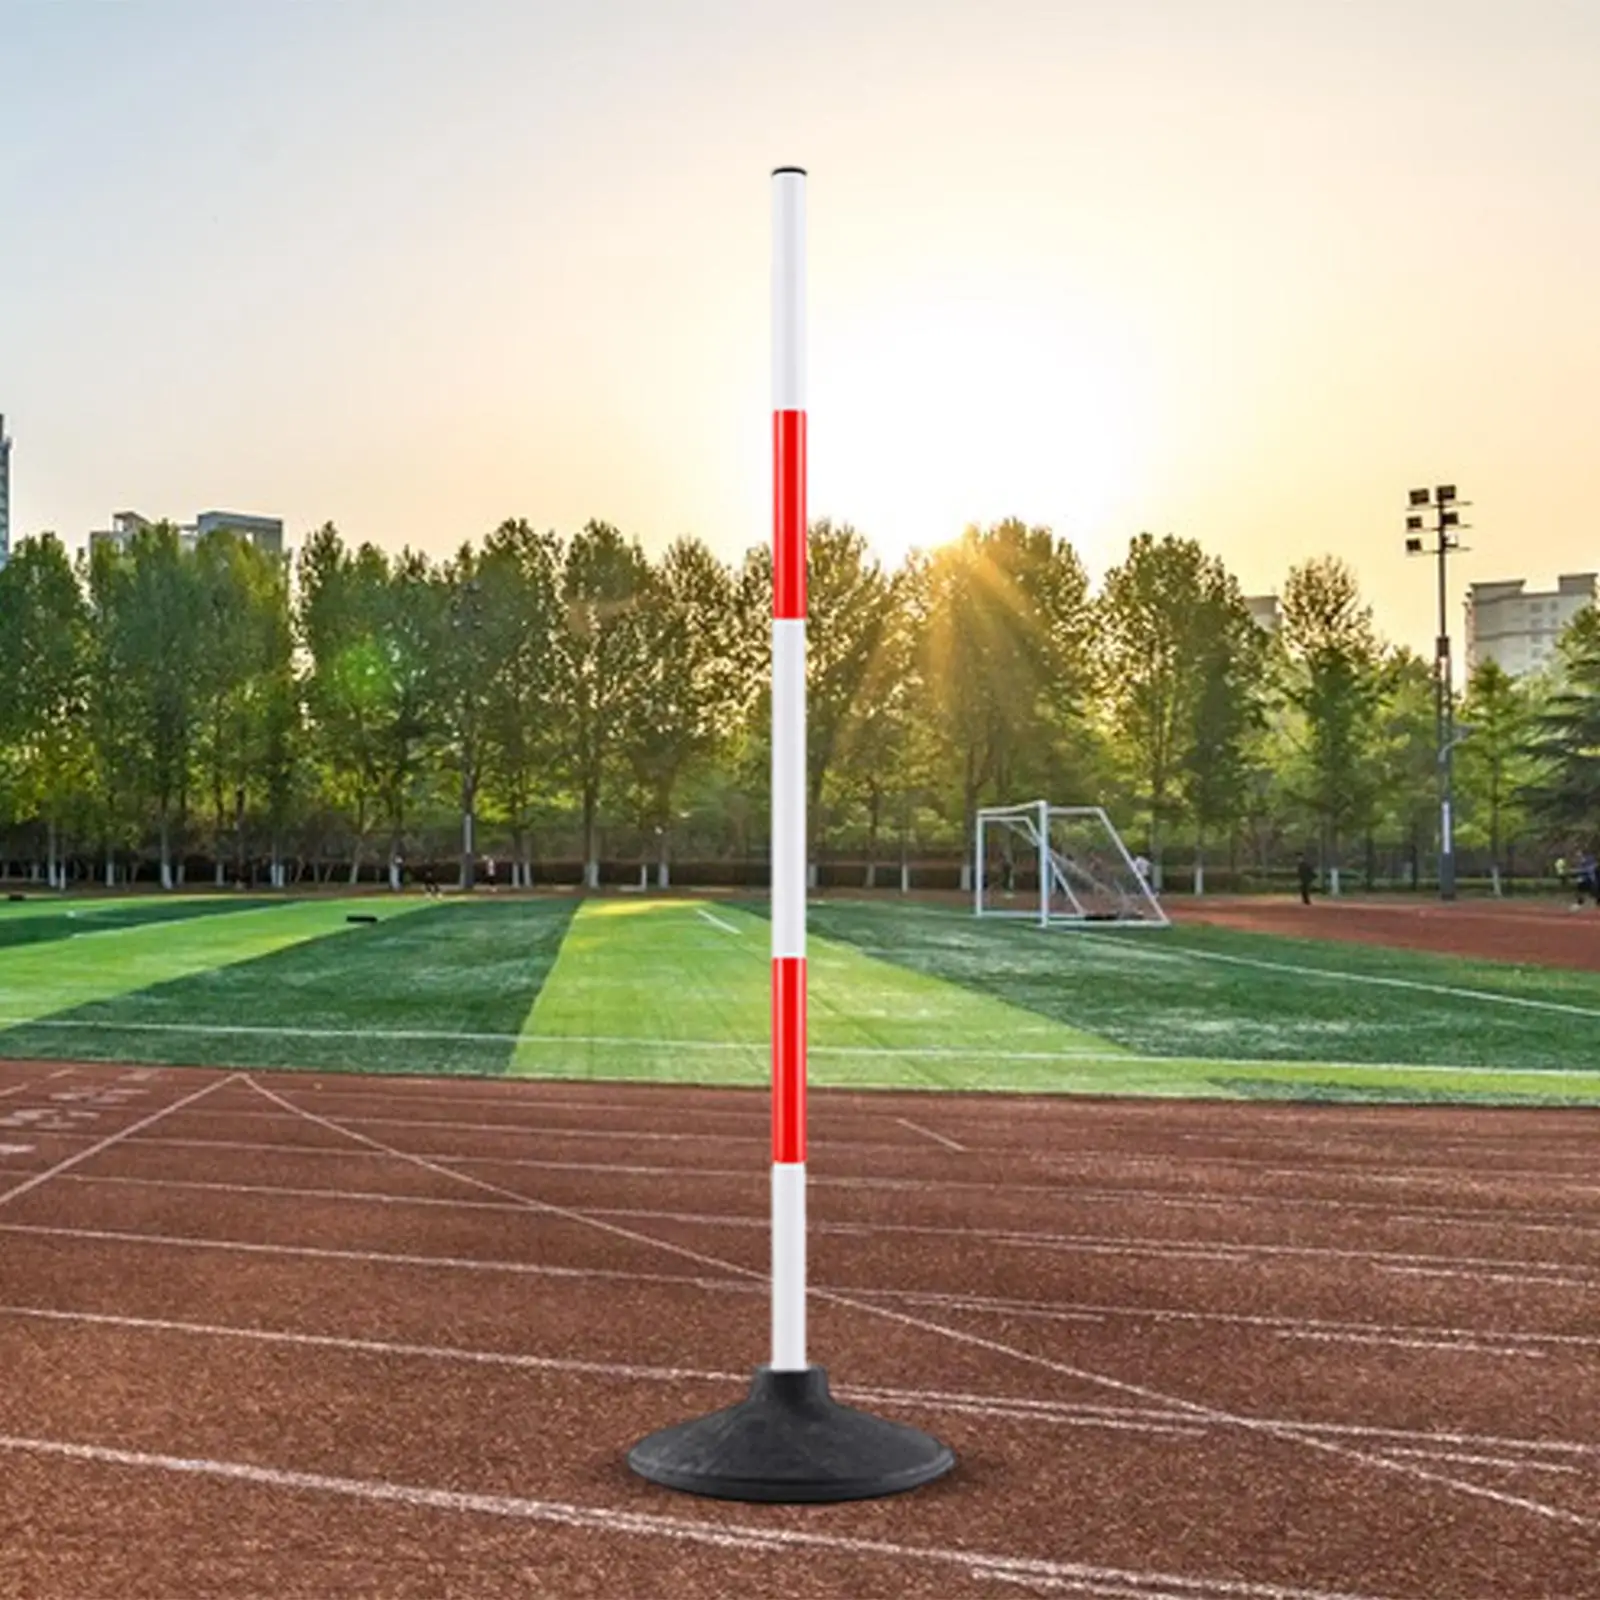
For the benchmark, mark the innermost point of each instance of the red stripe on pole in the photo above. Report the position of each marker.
(789, 1058)
(789, 514)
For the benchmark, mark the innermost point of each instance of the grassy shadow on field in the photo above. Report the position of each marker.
(46, 921)
(439, 974)
(1210, 993)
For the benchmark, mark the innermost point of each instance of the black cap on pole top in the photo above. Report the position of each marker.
(777, 170)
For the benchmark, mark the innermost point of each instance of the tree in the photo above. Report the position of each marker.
(1403, 762)
(1563, 789)
(156, 623)
(464, 659)
(1004, 660)
(1228, 712)
(1491, 762)
(44, 650)
(601, 654)
(349, 688)
(683, 700)
(519, 574)
(1334, 686)
(1180, 651)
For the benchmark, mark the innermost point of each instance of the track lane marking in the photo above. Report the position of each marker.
(37, 1178)
(1566, 1222)
(978, 1341)
(1060, 1311)
(1236, 1252)
(1002, 1407)
(916, 1127)
(1074, 1577)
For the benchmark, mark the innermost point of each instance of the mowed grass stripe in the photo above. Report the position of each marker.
(1193, 992)
(656, 989)
(48, 921)
(40, 979)
(457, 977)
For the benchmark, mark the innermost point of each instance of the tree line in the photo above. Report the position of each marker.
(547, 699)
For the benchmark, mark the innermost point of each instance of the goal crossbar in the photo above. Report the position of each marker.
(1074, 868)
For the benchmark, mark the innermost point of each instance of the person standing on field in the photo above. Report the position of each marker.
(1307, 876)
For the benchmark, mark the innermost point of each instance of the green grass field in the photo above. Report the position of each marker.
(673, 990)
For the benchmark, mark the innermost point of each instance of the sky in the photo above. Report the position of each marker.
(1240, 270)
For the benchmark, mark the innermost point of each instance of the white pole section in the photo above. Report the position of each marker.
(977, 868)
(1044, 863)
(789, 770)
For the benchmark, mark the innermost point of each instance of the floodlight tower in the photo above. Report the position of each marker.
(1446, 531)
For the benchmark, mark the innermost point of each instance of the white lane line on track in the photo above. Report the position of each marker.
(1054, 1311)
(758, 1136)
(1013, 1408)
(1552, 1278)
(1082, 1244)
(37, 1178)
(1085, 1312)
(717, 922)
(1070, 1577)
(916, 1127)
(977, 1341)
(1416, 1344)
(1487, 1461)
(1565, 1223)
(1002, 1407)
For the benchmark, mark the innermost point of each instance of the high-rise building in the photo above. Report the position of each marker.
(1264, 611)
(5, 494)
(1517, 628)
(266, 533)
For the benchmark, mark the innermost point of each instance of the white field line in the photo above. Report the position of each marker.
(1482, 1216)
(1377, 980)
(718, 922)
(1093, 1244)
(1057, 1311)
(1001, 1407)
(37, 1178)
(977, 1341)
(757, 1046)
(916, 1127)
(1069, 1577)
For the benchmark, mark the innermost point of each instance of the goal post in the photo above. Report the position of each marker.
(1058, 866)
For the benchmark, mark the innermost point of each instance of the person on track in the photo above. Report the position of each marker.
(1307, 876)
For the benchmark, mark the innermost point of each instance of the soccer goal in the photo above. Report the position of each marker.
(1058, 864)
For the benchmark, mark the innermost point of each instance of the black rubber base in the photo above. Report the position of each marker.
(789, 1442)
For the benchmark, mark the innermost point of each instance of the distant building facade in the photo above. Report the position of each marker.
(1264, 611)
(265, 533)
(1518, 628)
(5, 493)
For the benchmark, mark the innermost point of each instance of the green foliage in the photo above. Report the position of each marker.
(1333, 683)
(1563, 790)
(162, 697)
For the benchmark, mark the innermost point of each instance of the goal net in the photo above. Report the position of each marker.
(1058, 864)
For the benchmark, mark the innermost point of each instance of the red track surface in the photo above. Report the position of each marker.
(1543, 932)
(394, 1337)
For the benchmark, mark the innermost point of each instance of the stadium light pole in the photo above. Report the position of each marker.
(789, 1441)
(1446, 531)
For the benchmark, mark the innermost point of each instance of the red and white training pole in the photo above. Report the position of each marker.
(788, 770)
(790, 1440)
